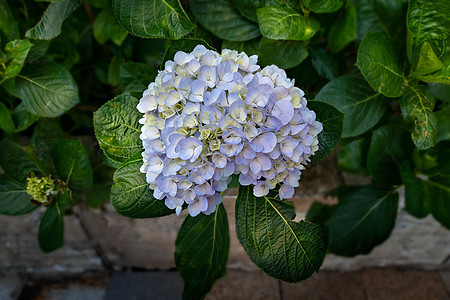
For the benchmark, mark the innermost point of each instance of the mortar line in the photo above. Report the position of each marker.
(280, 289)
(106, 263)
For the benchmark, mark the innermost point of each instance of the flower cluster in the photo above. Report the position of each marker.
(208, 116)
(40, 189)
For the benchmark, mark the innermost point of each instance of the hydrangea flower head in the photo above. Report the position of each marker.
(208, 116)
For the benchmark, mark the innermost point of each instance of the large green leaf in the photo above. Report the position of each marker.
(363, 219)
(47, 90)
(16, 162)
(417, 202)
(287, 250)
(51, 228)
(323, 6)
(131, 196)
(222, 19)
(390, 146)
(46, 133)
(332, 121)
(428, 62)
(352, 156)
(106, 27)
(135, 77)
(378, 63)
(417, 106)
(343, 30)
(284, 54)
(8, 25)
(362, 107)
(381, 16)
(283, 23)
(72, 164)
(440, 91)
(14, 199)
(201, 252)
(425, 196)
(439, 196)
(16, 53)
(443, 123)
(117, 128)
(440, 154)
(324, 63)
(428, 21)
(50, 24)
(6, 122)
(153, 19)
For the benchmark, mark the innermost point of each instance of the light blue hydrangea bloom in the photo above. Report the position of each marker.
(208, 116)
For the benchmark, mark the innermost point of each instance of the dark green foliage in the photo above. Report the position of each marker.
(201, 252)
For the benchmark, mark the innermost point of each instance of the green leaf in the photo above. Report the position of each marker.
(284, 249)
(131, 195)
(323, 6)
(72, 164)
(46, 133)
(439, 195)
(362, 107)
(390, 146)
(23, 118)
(50, 24)
(51, 228)
(47, 90)
(343, 30)
(201, 252)
(363, 219)
(117, 128)
(8, 25)
(325, 64)
(428, 62)
(283, 23)
(441, 154)
(114, 70)
(416, 198)
(417, 106)
(153, 19)
(332, 121)
(223, 20)
(440, 91)
(381, 16)
(38, 50)
(6, 122)
(378, 63)
(135, 77)
(16, 162)
(443, 123)
(106, 27)
(16, 53)
(14, 199)
(352, 157)
(284, 54)
(428, 21)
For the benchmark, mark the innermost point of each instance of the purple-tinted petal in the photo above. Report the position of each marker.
(264, 143)
(284, 110)
(286, 191)
(258, 96)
